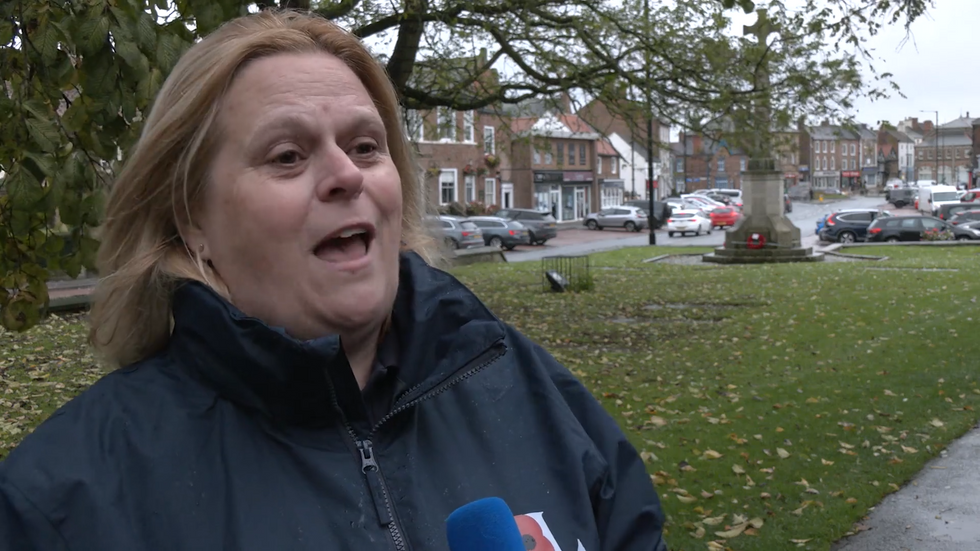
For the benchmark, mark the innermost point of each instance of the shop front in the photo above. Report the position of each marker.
(611, 192)
(850, 179)
(566, 194)
(790, 179)
(826, 180)
(870, 176)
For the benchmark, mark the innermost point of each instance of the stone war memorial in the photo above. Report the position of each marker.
(763, 234)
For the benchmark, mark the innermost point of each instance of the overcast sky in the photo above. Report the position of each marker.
(936, 68)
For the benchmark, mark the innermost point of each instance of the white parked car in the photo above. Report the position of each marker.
(703, 202)
(688, 221)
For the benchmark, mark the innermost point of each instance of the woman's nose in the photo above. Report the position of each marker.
(340, 178)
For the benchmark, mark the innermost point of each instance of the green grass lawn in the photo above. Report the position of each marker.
(773, 404)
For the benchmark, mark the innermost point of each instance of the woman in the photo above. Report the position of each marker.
(296, 376)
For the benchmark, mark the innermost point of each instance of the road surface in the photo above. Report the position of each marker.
(582, 241)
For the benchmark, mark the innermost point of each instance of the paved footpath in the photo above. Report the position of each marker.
(939, 510)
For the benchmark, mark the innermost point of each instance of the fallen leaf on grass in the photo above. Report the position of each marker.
(737, 469)
(734, 532)
(907, 449)
(657, 421)
(850, 501)
(936, 423)
(687, 499)
(714, 521)
(711, 454)
(782, 453)
(825, 462)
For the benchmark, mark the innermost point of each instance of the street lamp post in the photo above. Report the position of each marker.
(650, 215)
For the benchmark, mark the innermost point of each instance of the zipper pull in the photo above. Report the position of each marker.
(369, 466)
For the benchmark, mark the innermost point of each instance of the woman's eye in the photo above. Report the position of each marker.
(365, 148)
(287, 158)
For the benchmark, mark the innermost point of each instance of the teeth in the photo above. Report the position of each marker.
(351, 233)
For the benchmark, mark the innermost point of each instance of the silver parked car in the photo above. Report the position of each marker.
(502, 233)
(541, 226)
(457, 232)
(629, 218)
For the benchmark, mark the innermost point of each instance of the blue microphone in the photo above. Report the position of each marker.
(484, 525)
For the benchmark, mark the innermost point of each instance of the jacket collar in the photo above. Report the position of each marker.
(440, 326)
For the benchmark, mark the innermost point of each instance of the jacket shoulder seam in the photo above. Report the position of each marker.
(13, 487)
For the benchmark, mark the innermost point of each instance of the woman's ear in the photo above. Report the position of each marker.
(194, 237)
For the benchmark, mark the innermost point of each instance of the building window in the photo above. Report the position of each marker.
(833, 147)
(612, 166)
(948, 156)
(537, 156)
(825, 163)
(843, 164)
(468, 129)
(446, 121)
(832, 163)
(447, 187)
(490, 142)
(561, 153)
(599, 166)
(414, 125)
(853, 150)
(792, 158)
(547, 157)
(680, 165)
(741, 165)
(581, 154)
(957, 153)
(930, 154)
(611, 197)
(571, 153)
(824, 147)
(921, 156)
(721, 165)
(469, 185)
(490, 191)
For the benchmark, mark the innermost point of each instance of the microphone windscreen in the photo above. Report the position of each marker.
(484, 525)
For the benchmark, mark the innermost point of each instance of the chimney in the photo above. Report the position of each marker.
(825, 122)
(927, 127)
(566, 103)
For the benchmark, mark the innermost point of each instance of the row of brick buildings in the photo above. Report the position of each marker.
(537, 155)
(540, 155)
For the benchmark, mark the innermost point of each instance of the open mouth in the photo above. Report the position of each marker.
(351, 243)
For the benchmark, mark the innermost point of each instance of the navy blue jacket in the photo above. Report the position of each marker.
(238, 437)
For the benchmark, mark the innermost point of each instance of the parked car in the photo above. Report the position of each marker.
(661, 210)
(702, 202)
(822, 221)
(787, 203)
(457, 232)
(912, 228)
(949, 210)
(850, 226)
(721, 218)
(502, 233)
(626, 217)
(965, 216)
(688, 221)
(541, 226)
(971, 196)
(901, 196)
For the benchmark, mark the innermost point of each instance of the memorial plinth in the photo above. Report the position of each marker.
(763, 234)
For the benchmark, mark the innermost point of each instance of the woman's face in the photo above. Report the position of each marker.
(302, 211)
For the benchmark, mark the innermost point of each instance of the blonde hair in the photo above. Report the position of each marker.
(142, 256)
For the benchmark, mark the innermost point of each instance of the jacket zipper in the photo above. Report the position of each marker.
(369, 465)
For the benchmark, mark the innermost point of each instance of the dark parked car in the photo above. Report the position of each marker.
(849, 226)
(661, 210)
(901, 196)
(950, 210)
(966, 216)
(500, 232)
(541, 226)
(912, 228)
